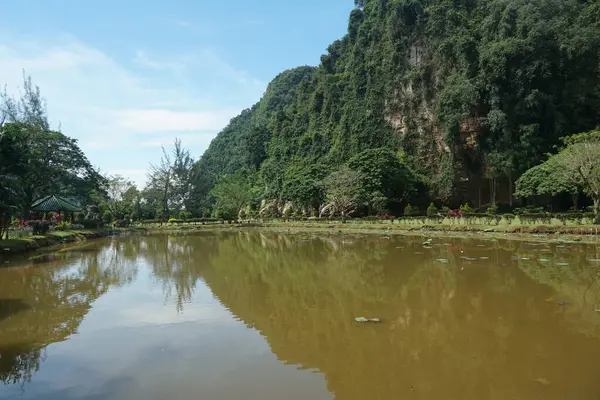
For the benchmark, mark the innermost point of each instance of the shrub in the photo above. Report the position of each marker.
(288, 212)
(91, 223)
(410, 211)
(206, 214)
(185, 215)
(80, 218)
(432, 210)
(530, 210)
(61, 226)
(107, 217)
(173, 220)
(466, 208)
(39, 227)
(492, 209)
(509, 217)
(242, 214)
(122, 223)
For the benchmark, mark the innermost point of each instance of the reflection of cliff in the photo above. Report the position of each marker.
(45, 300)
(449, 332)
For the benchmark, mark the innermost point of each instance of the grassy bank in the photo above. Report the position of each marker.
(15, 246)
(555, 230)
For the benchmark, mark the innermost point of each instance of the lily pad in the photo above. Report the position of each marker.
(443, 261)
(594, 260)
(543, 260)
(562, 264)
(484, 258)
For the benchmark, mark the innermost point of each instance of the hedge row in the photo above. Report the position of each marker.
(469, 218)
(543, 218)
(180, 221)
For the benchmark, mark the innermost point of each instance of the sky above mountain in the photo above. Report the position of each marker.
(127, 77)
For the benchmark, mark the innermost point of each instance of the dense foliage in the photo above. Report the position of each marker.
(576, 168)
(473, 91)
(36, 161)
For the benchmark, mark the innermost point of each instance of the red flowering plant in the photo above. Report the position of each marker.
(455, 213)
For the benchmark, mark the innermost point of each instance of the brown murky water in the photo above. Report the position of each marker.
(265, 316)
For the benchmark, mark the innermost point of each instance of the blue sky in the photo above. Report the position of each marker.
(127, 77)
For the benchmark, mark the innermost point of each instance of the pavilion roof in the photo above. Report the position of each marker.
(54, 203)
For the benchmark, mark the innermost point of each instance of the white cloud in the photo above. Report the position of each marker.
(161, 120)
(108, 104)
(137, 176)
(186, 139)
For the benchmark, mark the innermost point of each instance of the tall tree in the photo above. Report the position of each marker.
(576, 167)
(232, 194)
(29, 109)
(183, 167)
(120, 192)
(343, 191)
(160, 179)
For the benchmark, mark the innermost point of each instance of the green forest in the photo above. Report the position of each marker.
(445, 101)
(424, 105)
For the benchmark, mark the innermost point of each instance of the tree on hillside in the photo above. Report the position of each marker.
(301, 185)
(383, 175)
(343, 192)
(232, 194)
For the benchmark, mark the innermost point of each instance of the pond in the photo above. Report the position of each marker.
(255, 315)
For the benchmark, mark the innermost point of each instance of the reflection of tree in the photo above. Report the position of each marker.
(47, 300)
(465, 329)
(177, 261)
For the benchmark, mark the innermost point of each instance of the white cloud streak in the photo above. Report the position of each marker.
(106, 104)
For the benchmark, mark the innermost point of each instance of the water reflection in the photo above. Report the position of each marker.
(471, 327)
(462, 318)
(47, 297)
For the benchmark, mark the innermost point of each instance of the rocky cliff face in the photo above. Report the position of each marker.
(468, 90)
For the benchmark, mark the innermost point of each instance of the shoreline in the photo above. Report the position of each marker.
(583, 234)
(12, 247)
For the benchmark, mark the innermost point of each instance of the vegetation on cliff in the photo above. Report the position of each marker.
(466, 94)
